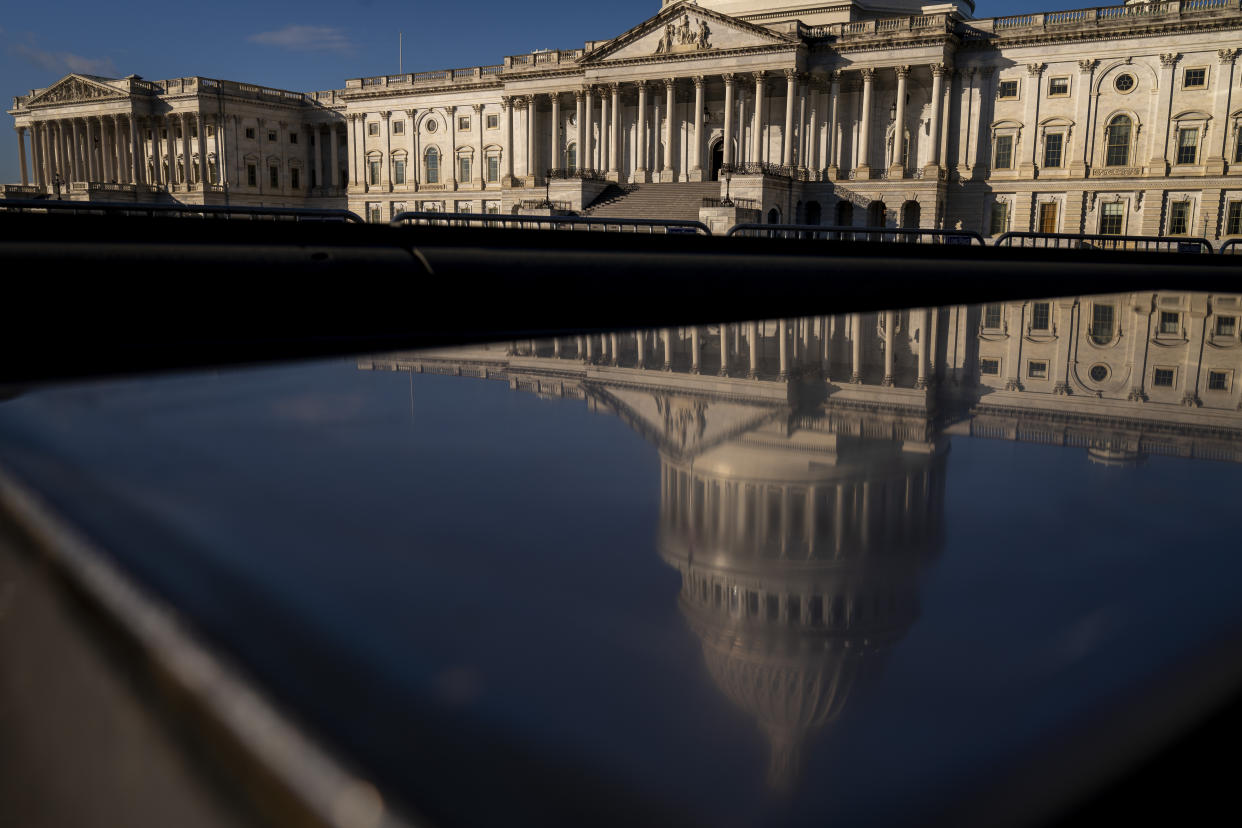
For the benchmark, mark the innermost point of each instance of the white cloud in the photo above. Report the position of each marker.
(65, 62)
(306, 39)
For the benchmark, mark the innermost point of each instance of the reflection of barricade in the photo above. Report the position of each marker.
(1232, 247)
(215, 211)
(587, 223)
(865, 234)
(1103, 241)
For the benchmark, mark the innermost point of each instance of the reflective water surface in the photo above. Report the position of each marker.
(856, 568)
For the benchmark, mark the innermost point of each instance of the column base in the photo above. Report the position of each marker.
(668, 177)
(856, 378)
(887, 382)
(695, 175)
(896, 172)
(641, 177)
(931, 172)
(614, 176)
(863, 172)
(920, 383)
(832, 173)
(508, 181)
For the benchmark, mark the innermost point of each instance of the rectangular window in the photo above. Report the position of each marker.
(1162, 377)
(373, 128)
(1112, 219)
(493, 122)
(1058, 87)
(211, 131)
(433, 167)
(1000, 218)
(463, 168)
(1054, 143)
(989, 367)
(1179, 217)
(463, 123)
(1102, 324)
(398, 172)
(992, 316)
(373, 168)
(295, 179)
(398, 127)
(1002, 159)
(1218, 381)
(252, 175)
(491, 208)
(1233, 219)
(250, 133)
(1237, 148)
(493, 168)
(1170, 323)
(373, 212)
(164, 134)
(465, 207)
(1195, 78)
(1226, 325)
(1037, 369)
(1048, 217)
(1007, 89)
(271, 136)
(273, 174)
(398, 207)
(293, 137)
(1187, 146)
(1040, 316)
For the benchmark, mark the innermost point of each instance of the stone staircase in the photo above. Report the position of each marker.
(656, 201)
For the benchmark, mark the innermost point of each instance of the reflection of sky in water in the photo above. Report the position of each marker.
(486, 571)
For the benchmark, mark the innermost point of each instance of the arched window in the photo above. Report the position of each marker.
(774, 216)
(845, 214)
(1118, 142)
(813, 212)
(876, 214)
(571, 157)
(433, 165)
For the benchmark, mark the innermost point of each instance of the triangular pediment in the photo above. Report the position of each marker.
(685, 29)
(74, 88)
(683, 424)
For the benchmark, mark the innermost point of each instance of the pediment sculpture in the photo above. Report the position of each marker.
(74, 89)
(684, 37)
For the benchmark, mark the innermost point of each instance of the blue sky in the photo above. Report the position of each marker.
(303, 46)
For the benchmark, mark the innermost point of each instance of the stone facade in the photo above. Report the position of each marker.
(1121, 119)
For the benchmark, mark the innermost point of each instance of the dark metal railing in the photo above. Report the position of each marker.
(1102, 241)
(1231, 247)
(740, 203)
(865, 234)
(572, 173)
(218, 211)
(775, 170)
(587, 223)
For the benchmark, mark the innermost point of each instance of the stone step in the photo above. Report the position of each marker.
(679, 201)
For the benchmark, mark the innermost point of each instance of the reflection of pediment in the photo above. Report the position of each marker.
(75, 88)
(683, 425)
(685, 29)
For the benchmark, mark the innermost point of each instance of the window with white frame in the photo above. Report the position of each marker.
(1000, 217)
(374, 214)
(1194, 77)
(1007, 90)
(1041, 316)
(1103, 323)
(1037, 369)
(1233, 219)
(493, 122)
(1117, 141)
(493, 168)
(1058, 87)
(1170, 323)
(463, 168)
(1163, 377)
(1002, 153)
(1219, 380)
(992, 317)
(1187, 145)
(398, 171)
(463, 123)
(373, 171)
(373, 128)
(432, 161)
(1113, 218)
(1179, 217)
(1054, 149)
(1226, 326)
(398, 127)
(1048, 214)
(989, 367)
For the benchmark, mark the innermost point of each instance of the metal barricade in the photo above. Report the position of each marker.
(867, 234)
(1103, 241)
(581, 223)
(213, 211)
(1231, 247)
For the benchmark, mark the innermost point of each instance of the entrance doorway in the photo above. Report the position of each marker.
(717, 159)
(911, 213)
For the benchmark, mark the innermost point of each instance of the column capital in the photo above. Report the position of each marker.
(478, 108)
(412, 113)
(1227, 56)
(506, 102)
(836, 76)
(728, 78)
(868, 74)
(759, 77)
(613, 87)
(939, 70)
(670, 83)
(1036, 69)
(1170, 58)
(1087, 65)
(579, 94)
(902, 71)
(988, 71)
(791, 74)
(699, 81)
(386, 115)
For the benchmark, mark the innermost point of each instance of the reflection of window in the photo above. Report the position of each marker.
(1218, 381)
(1048, 217)
(1187, 145)
(1000, 217)
(1118, 146)
(1007, 89)
(1040, 313)
(1112, 219)
(1179, 217)
(1170, 323)
(1102, 323)
(1226, 325)
(990, 367)
(1054, 142)
(1002, 158)
(1162, 377)
(1037, 369)
(992, 316)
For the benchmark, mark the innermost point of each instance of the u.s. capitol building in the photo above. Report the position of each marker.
(1121, 119)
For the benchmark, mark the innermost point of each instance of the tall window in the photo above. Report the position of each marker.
(1118, 146)
(373, 172)
(295, 179)
(1237, 149)
(992, 316)
(1000, 218)
(398, 127)
(1233, 219)
(1048, 217)
(433, 165)
(463, 168)
(571, 157)
(1179, 217)
(493, 168)
(1040, 315)
(252, 175)
(1187, 146)
(398, 171)
(1054, 142)
(273, 176)
(1112, 220)
(1002, 158)
(374, 214)
(1102, 324)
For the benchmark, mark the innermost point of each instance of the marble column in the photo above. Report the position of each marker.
(670, 104)
(21, 153)
(811, 159)
(316, 179)
(1026, 154)
(787, 145)
(696, 156)
(531, 176)
(188, 155)
(890, 321)
(1159, 163)
(756, 149)
(832, 146)
(586, 150)
(135, 154)
(855, 347)
(897, 166)
(506, 115)
(558, 155)
(694, 350)
(1215, 161)
(924, 337)
(640, 140)
(580, 157)
(724, 349)
(172, 151)
(667, 336)
(863, 162)
(76, 155)
(605, 131)
(730, 106)
(386, 165)
(783, 349)
(752, 336)
(614, 146)
(939, 70)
